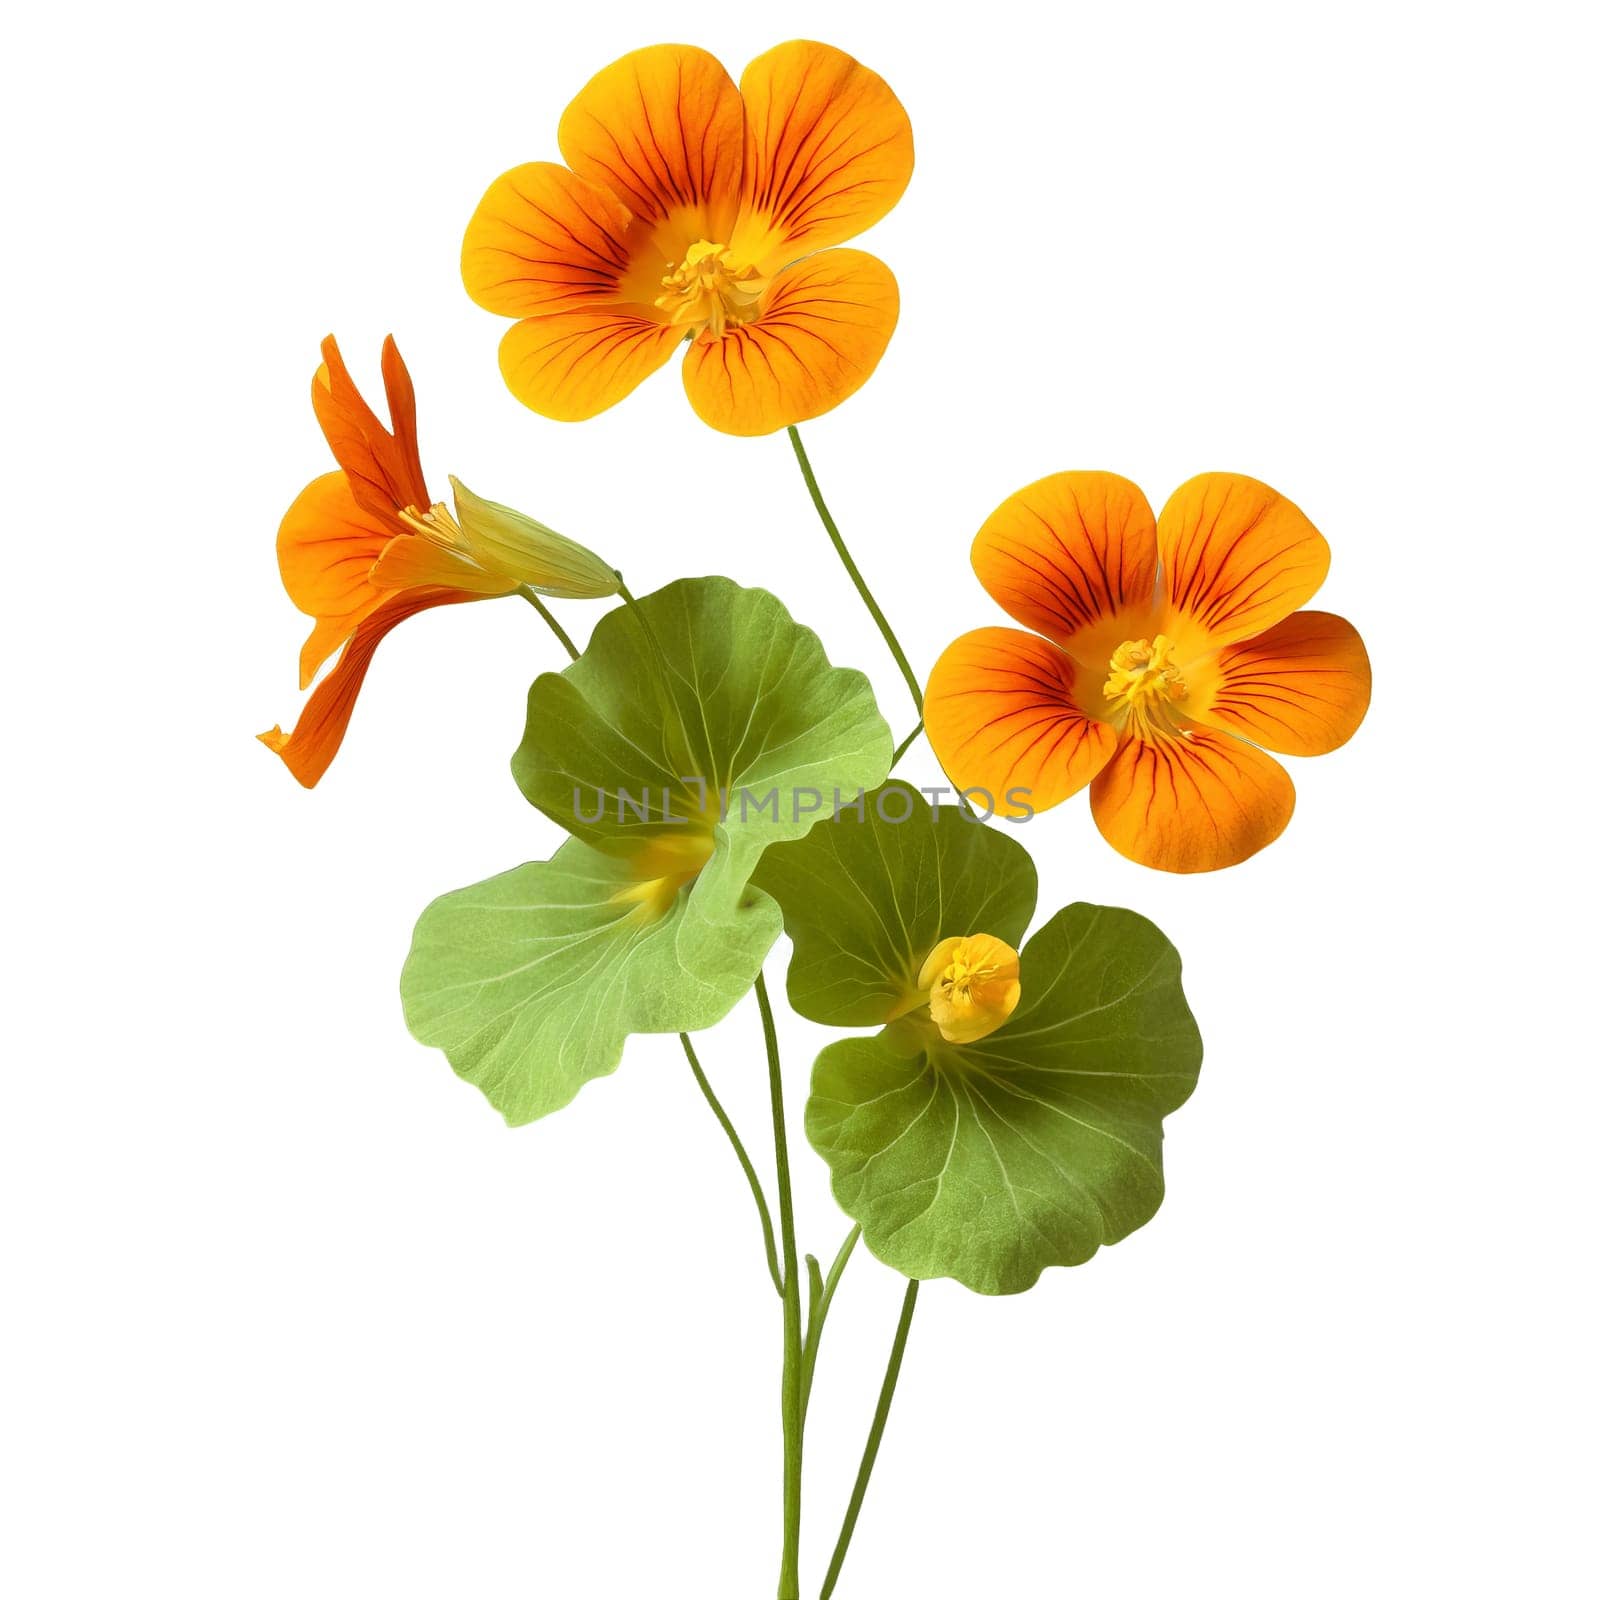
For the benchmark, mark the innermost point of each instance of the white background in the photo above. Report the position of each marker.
(290, 1312)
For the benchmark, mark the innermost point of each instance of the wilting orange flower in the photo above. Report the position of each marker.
(1172, 651)
(689, 208)
(363, 548)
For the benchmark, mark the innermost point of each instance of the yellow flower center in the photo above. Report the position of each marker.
(708, 292)
(1144, 680)
(972, 986)
(662, 867)
(437, 526)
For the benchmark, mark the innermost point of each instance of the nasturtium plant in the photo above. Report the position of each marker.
(698, 728)
(983, 1159)
(719, 781)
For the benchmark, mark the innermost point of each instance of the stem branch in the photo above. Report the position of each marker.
(744, 1161)
(822, 1298)
(854, 571)
(874, 1438)
(905, 744)
(793, 1400)
(664, 672)
(549, 616)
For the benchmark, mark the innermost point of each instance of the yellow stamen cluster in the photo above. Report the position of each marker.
(1144, 679)
(972, 986)
(708, 292)
(437, 526)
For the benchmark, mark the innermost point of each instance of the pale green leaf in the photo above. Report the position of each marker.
(531, 982)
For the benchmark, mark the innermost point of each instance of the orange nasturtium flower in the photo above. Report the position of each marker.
(692, 209)
(363, 548)
(1174, 654)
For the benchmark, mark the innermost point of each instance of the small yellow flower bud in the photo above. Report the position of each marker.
(972, 986)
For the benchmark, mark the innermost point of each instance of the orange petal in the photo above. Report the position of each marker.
(1001, 716)
(827, 152)
(820, 331)
(1191, 801)
(574, 364)
(384, 468)
(327, 635)
(1236, 557)
(542, 240)
(662, 130)
(327, 545)
(320, 731)
(1300, 688)
(1073, 556)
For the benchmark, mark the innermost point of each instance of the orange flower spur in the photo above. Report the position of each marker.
(364, 548)
(1173, 657)
(691, 209)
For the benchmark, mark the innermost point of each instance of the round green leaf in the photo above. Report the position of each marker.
(753, 722)
(1031, 1148)
(531, 982)
(866, 896)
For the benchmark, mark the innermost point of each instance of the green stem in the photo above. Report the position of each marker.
(549, 616)
(905, 744)
(792, 1397)
(874, 1438)
(661, 680)
(744, 1161)
(821, 1299)
(854, 571)
(659, 655)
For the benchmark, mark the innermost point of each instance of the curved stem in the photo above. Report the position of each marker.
(664, 672)
(792, 1398)
(821, 1299)
(874, 1438)
(661, 682)
(854, 571)
(744, 1161)
(905, 744)
(549, 616)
